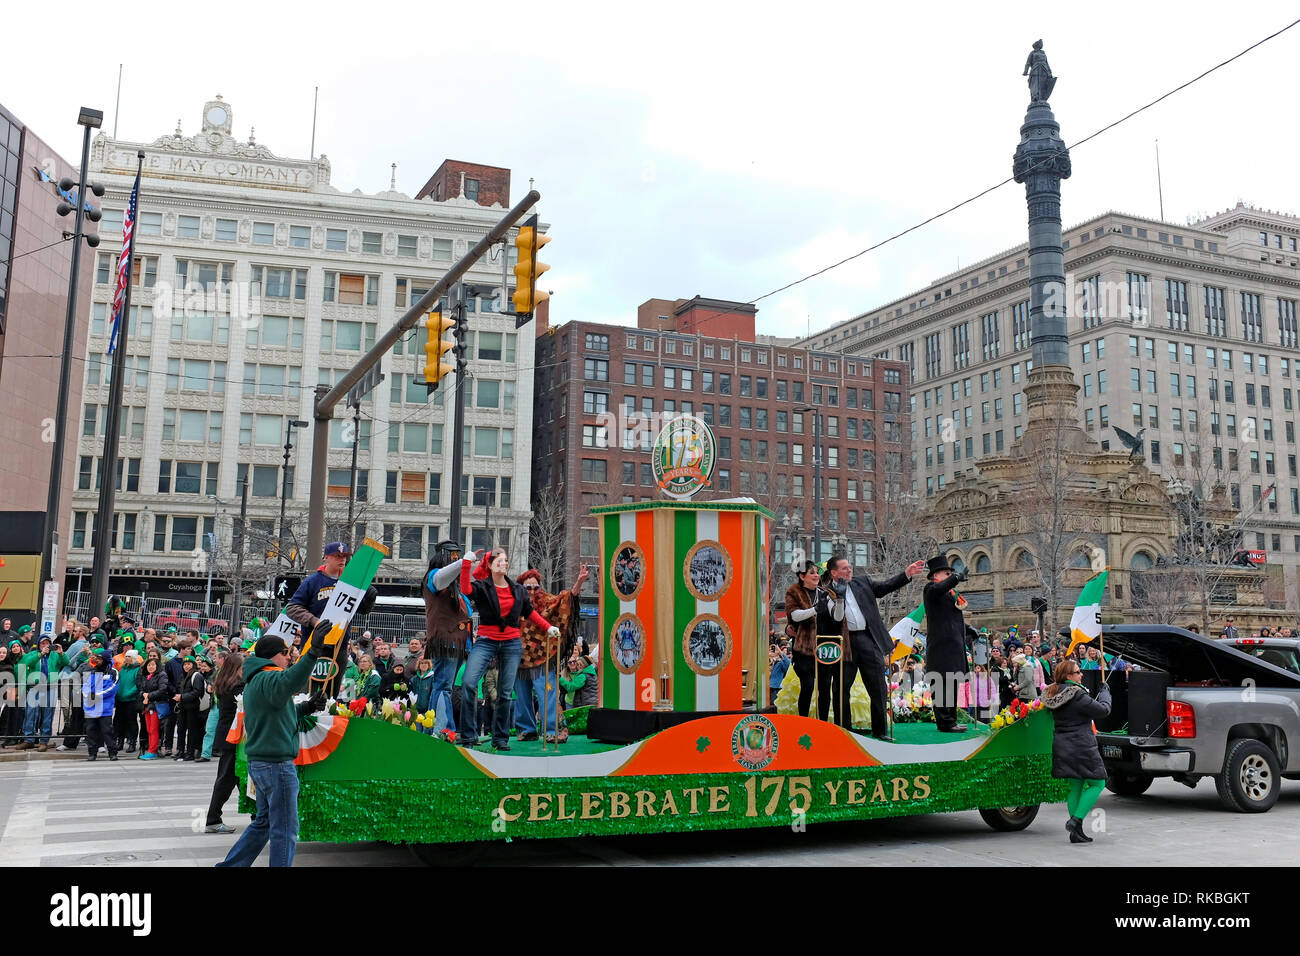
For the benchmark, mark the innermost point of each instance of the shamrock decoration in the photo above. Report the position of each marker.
(805, 742)
(702, 744)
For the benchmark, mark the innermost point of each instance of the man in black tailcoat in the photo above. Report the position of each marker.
(867, 636)
(945, 632)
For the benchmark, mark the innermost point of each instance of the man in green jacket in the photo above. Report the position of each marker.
(271, 744)
(38, 673)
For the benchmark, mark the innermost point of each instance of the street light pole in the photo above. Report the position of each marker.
(112, 425)
(352, 486)
(90, 119)
(284, 481)
(817, 481)
(212, 547)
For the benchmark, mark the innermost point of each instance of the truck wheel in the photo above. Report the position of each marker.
(1129, 784)
(1010, 819)
(1251, 779)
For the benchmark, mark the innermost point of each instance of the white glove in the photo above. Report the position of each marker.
(554, 632)
(470, 558)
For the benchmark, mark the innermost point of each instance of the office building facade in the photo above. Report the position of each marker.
(1182, 337)
(255, 279)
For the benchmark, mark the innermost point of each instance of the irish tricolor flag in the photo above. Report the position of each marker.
(1085, 625)
(905, 633)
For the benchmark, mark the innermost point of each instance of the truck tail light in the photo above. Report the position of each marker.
(1182, 719)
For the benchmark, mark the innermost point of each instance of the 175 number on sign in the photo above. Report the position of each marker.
(800, 791)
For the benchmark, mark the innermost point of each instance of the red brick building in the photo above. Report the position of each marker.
(603, 392)
(485, 185)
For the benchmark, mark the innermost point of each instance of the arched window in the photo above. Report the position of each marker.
(956, 563)
(1142, 561)
(983, 565)
(1024, 560)
(1081, 559)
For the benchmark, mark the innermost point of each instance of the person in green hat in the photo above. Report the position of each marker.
(126, 710)
(37, 673)
(27, 637)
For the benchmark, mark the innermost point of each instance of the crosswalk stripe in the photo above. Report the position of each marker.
(85, 826)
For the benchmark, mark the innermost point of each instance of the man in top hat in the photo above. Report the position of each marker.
(946, 643)
(868, 640)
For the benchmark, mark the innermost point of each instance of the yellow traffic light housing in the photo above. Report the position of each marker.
(528, 269)
(435, 366)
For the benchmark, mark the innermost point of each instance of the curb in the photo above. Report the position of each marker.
(24, 755)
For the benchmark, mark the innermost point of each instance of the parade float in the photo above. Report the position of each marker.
(678, 742)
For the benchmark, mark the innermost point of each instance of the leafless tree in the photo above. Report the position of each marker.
(1045, 497)
(548, 541)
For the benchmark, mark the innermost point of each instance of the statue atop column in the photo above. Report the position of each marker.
(1041, 81)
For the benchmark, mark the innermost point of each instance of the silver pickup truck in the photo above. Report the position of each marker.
(1201, 708)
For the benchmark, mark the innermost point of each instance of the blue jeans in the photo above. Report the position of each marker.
(34, 715)
(507, 655)
(210, 731)
(533, 680)
(444, 672)
(277, 816)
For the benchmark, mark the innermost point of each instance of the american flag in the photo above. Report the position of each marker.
(124, 264)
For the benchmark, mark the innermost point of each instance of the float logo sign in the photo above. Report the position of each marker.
(683, 457)
(754, 742)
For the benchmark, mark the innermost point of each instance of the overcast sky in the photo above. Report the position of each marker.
(707, 148)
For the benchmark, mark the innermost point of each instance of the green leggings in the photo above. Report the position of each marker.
(1083, 796)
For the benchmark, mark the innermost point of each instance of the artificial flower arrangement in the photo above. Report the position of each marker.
(400, 711)
(1016, 710)
(912, 707)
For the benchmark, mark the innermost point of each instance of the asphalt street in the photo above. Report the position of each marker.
(132, 813)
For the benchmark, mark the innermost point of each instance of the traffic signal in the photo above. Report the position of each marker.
(527, 268)
(435, 367)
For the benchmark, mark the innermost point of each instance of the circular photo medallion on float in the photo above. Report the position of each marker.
(627, 644)
(627, 573)
(683, 457)
(708, 570)
(754, 742)
(707, 644)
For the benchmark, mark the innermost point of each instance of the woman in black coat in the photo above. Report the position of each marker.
(188, 697)
(1074, 747)
(228, 684)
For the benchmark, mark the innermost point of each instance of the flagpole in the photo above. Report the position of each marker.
(113, 416)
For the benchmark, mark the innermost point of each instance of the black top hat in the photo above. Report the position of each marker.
(938, 563)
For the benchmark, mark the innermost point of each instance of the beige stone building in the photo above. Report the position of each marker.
(1184, 337)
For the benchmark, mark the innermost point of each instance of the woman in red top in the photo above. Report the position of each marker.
(501, 603)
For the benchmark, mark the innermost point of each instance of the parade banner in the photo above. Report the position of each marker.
(720, 772)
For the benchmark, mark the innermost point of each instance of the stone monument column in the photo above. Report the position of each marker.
(1041, 162)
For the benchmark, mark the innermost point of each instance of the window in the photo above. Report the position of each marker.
(1138, 298)
(407, 246)
(471, 189)
(1176, 310)
(150, 224)
(372, 242)
(597, 370)
(1021, 334)
(1252, 319)
(300, 237)
(991, 340)
(264, 233)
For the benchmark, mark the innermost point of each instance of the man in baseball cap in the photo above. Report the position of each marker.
(308, 603)
(271, 743)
